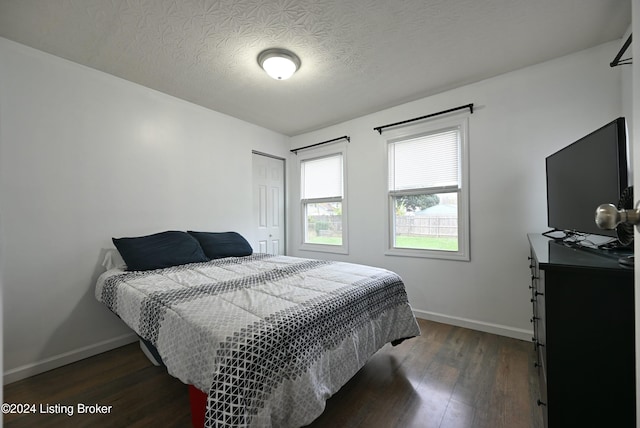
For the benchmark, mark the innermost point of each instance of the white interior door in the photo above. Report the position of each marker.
(269, 203)
(635, 150)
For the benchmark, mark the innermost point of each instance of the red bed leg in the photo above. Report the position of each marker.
(198, 401)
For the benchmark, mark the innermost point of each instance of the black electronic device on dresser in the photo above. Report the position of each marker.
(584, 335)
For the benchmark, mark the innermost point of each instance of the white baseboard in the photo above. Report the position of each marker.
(51, 363)
(60, 360)
(501, 330)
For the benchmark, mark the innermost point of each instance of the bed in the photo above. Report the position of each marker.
(266, 339)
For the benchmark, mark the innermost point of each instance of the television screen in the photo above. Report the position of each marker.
(585, 174)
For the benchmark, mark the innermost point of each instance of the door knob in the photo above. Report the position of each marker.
(608, 216)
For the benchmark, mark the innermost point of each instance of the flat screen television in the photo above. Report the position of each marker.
(585, 174)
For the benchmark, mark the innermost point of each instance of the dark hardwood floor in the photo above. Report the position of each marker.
(448, 377)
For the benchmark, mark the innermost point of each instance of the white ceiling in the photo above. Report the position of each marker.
(358, 56)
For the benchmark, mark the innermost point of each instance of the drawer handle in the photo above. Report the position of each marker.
(541, 403)
(536, 364)
(534, 319)
(537, 293)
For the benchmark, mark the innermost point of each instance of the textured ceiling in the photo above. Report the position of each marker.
(358, 56)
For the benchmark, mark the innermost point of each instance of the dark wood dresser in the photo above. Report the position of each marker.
(584, 336)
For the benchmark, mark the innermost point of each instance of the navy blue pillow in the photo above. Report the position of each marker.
(160, 250)
(217, 245)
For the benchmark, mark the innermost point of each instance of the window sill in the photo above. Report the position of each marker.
(323, 248)
(428, 254)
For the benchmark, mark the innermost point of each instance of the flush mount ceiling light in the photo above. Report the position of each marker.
(279, 63)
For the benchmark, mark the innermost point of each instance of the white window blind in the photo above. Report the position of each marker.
(322, 178)
(425, 162)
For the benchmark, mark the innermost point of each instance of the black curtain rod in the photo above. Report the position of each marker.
(616, 61)
(344, 137)
(469, 106)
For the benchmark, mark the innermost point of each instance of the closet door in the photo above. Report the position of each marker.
(269, 203)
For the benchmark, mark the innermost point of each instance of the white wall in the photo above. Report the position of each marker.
(520, 118)
(85, 156)
(627, 93)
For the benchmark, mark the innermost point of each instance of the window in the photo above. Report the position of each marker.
(428, 199)
(323, 203)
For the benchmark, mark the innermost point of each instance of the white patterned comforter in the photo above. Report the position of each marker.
(270, 338)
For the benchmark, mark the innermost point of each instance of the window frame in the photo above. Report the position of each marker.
(319, 153)
(416, 131)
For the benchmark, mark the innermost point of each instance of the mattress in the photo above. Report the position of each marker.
(268, 338)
